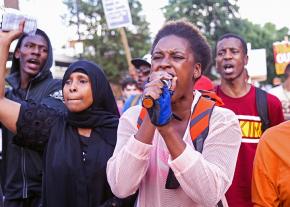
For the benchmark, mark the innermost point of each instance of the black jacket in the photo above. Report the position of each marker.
(22, 168)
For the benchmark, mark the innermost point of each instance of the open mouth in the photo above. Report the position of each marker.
(33, 61)
(229, 68)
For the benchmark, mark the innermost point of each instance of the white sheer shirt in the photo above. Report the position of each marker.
(204, 178)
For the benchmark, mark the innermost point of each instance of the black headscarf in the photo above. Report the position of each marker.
(66, 175)
(104, 111)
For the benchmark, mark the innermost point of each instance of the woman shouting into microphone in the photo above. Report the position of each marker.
(156, 152)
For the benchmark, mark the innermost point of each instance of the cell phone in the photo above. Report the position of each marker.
(11, 19)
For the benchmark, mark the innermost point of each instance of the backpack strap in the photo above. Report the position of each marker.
(262, 107)
(211, 95)
(141, 117)
(135, 100)
(199, 123)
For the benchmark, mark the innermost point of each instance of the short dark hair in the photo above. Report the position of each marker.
(232, 35)
(128, 81)
(184, 29)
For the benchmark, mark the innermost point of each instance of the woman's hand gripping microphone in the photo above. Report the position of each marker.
(148, 101)
(159, 110)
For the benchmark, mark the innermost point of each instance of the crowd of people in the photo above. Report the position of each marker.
(72, 143)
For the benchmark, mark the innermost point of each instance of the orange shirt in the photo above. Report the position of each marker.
(271, 173)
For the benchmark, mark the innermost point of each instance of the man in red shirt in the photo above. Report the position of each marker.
(240, 96)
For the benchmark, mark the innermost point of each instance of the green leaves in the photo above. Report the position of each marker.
(102, 45)
(217, 17)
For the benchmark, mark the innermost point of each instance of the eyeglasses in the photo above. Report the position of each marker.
(144, 70)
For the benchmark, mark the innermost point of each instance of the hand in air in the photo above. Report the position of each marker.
(7, 37)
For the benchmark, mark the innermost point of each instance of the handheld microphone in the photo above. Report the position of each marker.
(148, 101)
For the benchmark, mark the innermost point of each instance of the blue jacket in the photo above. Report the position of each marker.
(132, 101)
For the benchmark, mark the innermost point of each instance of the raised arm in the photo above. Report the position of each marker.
(9, 110)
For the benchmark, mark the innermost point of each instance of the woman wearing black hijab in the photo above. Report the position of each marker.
(75, 145)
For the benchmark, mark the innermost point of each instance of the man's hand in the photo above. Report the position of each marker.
(7, 37)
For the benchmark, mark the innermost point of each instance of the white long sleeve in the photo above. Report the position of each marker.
(204, 178)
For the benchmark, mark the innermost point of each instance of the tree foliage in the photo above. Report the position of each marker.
(102, 45)
(210, 16)
(260, 37)
(215, 18)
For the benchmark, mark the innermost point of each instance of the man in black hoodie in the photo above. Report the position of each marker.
(30, 78)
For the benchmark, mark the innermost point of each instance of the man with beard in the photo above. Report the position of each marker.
(30, 78)
(241, 97)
